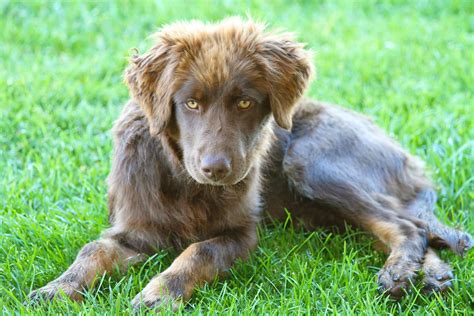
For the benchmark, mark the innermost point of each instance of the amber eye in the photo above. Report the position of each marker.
(192, 104)
(244, 104)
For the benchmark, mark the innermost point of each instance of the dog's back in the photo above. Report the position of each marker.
(327, 137)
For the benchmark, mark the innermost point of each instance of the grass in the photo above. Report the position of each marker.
(407, 64)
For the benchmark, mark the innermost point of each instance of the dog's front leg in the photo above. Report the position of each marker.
(94, 259)
(201, 262)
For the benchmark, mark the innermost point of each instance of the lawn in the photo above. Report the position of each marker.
(407, 64)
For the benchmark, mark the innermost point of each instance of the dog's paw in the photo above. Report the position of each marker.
(458, 241)
(52, 291)
(396, 280)
(154, 302)
(155, 296)
(437, 282)
(437, 277)
(464, 244)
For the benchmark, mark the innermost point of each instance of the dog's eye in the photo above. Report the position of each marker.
(244, 104)
(192, 104)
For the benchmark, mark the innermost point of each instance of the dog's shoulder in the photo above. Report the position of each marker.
(137, 154)
(132, 138)
(131, 123)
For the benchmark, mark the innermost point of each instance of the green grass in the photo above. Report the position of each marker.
(407, 64)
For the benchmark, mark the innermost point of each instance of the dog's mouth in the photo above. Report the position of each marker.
(198, 174)
(228, 181)
(231, 179)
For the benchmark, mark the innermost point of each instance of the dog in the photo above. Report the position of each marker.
(215, 133)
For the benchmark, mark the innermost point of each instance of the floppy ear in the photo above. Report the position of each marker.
(288, 70)
(150, 78)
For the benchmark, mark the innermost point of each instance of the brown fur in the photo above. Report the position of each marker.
(327, 165)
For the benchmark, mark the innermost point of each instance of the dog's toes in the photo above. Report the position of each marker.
(437, 282)
(154, 302)
(52, 291)
(396, 280)
(458, 241)
(437, 276)
(465, 243)
(156, 296)
(39, 295)
(392, 284)
(395, 289)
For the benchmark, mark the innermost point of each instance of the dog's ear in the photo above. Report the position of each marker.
(288, 68)
(150, 78)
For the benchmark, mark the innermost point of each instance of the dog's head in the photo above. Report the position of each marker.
(212, 89)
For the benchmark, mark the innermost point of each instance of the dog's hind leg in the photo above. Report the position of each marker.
(405, 237)
(342, 159)
(439, 235)
(95, 258)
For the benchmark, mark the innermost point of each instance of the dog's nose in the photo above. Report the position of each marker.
(215, 167)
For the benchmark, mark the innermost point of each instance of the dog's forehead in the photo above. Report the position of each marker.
(236, 86)
(219, 62)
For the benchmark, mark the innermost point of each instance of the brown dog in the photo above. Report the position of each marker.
(209, 139)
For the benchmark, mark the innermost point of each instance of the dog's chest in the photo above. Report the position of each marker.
(201, 215)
